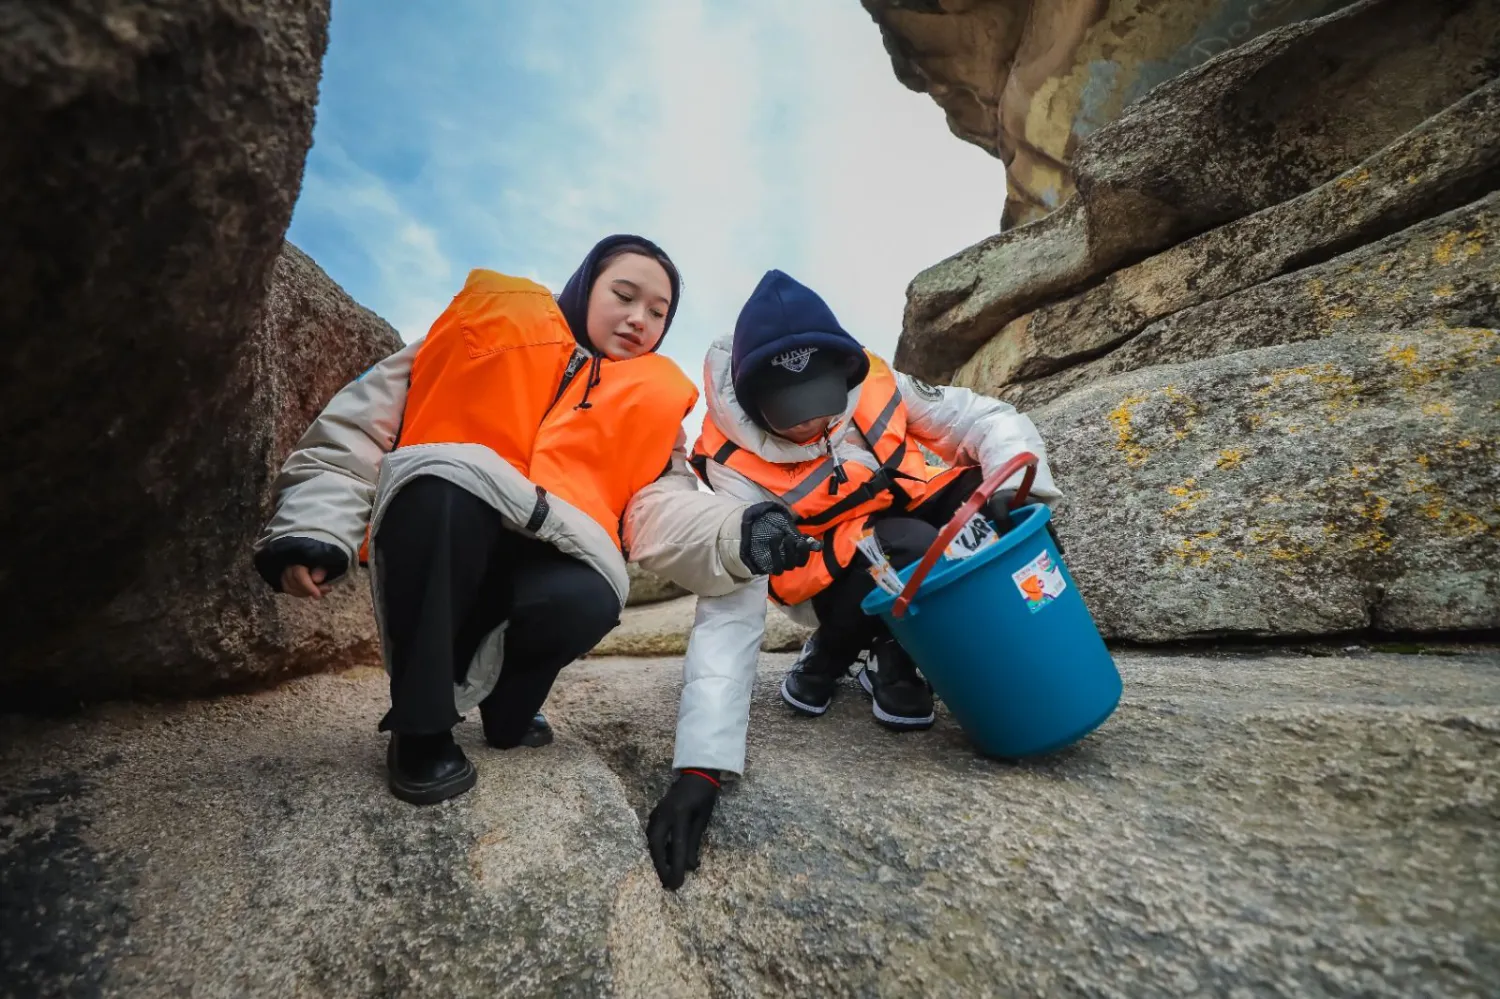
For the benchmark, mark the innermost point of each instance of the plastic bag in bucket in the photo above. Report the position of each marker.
(1000, 631)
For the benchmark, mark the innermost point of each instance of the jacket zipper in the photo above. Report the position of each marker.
(564, 385)
(839, 476)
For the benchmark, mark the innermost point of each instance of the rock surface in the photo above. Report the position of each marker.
(193, 616)
(648, 588)
(1245, 825)
(1259, 125)
(1451, 159)
(1443, 273)
(1028, 80)
(1342, 484)
(302, 876)
(153, 154)
(662, 629)
(1260, 340)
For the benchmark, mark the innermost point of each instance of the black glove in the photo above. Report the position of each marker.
(674, 831)
(770, 543)
(998, 509)
(272, 560)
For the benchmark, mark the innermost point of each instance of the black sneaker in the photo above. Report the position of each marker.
(426, 769)
(901, 698)
(808, 685)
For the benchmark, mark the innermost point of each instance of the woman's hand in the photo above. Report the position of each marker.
(301, 581)
(303, 567)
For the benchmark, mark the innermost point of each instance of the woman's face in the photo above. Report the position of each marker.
(628, 307)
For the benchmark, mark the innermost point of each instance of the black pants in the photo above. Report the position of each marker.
(842, 626)
(450, 572)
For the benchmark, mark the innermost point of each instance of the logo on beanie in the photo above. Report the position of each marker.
(795, 361)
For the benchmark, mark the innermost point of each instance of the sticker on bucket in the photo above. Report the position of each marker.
(1040, 581)
(977, 535)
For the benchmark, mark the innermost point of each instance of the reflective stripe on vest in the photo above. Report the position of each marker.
(489, 372)
(838, 512)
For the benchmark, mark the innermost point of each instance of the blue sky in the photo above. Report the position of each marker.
(740, 136)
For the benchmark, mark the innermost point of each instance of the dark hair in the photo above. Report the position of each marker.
(641, 250)
(573, 300)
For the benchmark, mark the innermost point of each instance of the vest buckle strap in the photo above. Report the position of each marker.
(883, 481)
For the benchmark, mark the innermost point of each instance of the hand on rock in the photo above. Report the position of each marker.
(675, 829)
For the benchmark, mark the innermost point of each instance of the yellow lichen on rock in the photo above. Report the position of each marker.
(1447, 249)
(1125, 438)
(1190, 554)
(1339, 396)
(1187, 495)
(1353, 179)
(1417, 372)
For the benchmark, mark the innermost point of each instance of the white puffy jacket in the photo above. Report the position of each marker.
(690, 541)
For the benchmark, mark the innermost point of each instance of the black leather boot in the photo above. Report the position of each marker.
(426, 769)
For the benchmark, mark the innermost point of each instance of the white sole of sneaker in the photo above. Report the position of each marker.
(885, 717)
(796, 705)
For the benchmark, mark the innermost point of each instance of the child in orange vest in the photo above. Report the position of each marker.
(801, 415)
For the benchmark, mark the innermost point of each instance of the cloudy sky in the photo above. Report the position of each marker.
(740, 136)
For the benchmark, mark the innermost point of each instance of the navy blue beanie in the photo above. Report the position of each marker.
(573, 301)
(782, 314)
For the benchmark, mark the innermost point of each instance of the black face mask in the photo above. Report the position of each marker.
(573, 301)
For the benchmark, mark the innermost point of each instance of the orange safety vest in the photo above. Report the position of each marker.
(489, 373)
(834, 501)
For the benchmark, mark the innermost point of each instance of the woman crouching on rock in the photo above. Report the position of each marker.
(485, 472)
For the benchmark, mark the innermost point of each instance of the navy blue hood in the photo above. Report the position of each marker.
(781, 315)
(573, 302)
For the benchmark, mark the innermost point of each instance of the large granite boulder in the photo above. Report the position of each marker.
(1342, 484)
(1449, 160)
(1246, 824)
(1440, 272)
(152, 156)
(193, 617)
(1027, 80)
(1252, 128)
(1260, 339)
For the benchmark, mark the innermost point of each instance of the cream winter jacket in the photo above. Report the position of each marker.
(341, 476)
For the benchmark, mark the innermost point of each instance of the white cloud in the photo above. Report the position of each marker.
(414, 274)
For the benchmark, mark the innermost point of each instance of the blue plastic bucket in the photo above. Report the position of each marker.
(1005, 640)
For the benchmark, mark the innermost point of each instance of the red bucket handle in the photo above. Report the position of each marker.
(971, 506)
